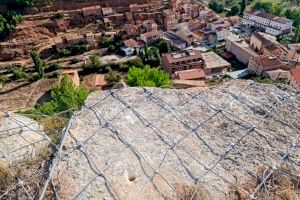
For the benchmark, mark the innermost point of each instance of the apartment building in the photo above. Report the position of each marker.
(182, 60)
(271, 24)
(240, 49)
(260, 64)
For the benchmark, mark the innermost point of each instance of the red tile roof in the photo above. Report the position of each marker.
(267, 61)
(190, 74)
(130, 43)
(296, 74)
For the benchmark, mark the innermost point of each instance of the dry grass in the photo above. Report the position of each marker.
(279, 186)
(30, 170)
(190, 192)
(5, 175)
(53, 127)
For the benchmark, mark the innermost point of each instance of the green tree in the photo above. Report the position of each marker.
(64, 96)
(8, 22)
(104, 42)
(150, 56)
(216, 6)
(297, 35)
(38, 64)
(235, 10)
(95, 61)
(243, 6)
(19, 73)
(148, 77)
(164, 47)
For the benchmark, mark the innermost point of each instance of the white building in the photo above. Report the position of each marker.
(273, 25)
(220, 28)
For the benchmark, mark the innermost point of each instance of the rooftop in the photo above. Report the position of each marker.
(152, 34)
(267, 61)
(275, 18)
(130, 43)
(186, 55)
(73, 36)
(190, 74)
(296, 74)
(213, 60)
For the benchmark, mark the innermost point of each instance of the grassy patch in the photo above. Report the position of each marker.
(191, 192)
(278, 186)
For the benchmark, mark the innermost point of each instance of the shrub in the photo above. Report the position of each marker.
(3, 78)
(112, 77)
(53, 67)
(147, 76)
(79, 49)
(164, 47)
(63, 97)
(74, 61)
(19, 73)
(104, 42)
(63, 52)
(38, 63)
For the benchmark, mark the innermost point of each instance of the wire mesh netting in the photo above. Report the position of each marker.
(151, 143)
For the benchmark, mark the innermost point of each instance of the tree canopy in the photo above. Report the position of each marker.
(279, 8)
(148, 77)
(8, 22)
(19, 2)
(64, 96)
(150, 56)
(235, 10)
(216, 6)
(164, 47)
(38, 63)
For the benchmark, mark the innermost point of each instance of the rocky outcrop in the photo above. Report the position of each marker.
(145, 143)
(21, 138)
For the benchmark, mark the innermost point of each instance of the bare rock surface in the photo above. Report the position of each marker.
(143, 143)
(21, 138)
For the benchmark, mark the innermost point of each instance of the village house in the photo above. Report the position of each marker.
(90, 39)
(149, 25)
(73, 38)
(128, 31)
(260, 40)
(220, 28)
(130, 47)
(273, 25)
(94, 81)
(261, 64)
(265, 44)
(175, 41)
(214, 64)
(294, 79)
(182, 60)
(106, 11)
(151, 37)
(208, 15)
(59, 42)
(188, 36)
(93, 10)
(169, 20)
(131, 43)
(191, 74)
(72, 75)
(277, 74)
(240, 49)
